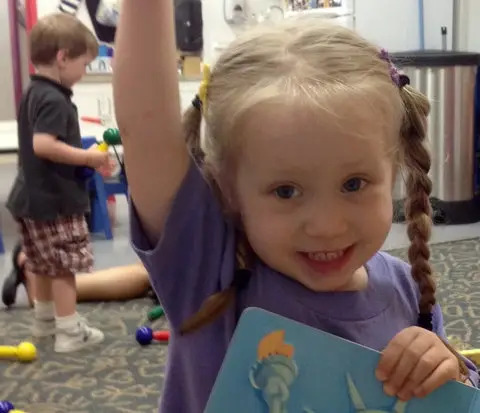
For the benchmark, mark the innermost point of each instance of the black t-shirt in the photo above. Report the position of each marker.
(45, 190)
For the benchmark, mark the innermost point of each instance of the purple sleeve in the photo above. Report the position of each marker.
(194, 256)
(439, 329)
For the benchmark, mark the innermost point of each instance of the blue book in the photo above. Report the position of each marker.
(276, 365)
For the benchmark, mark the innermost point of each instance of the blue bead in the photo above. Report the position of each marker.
(144, 335)
(6, 406)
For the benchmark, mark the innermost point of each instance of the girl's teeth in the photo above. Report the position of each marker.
(325, 256)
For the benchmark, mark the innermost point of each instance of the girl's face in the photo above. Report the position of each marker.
(314, 189)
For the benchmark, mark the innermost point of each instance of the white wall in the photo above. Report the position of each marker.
(216, 31)
(392, 24)
(472, 25)
(438, 13)
(50, 6)
(389, 24)
(7, 96)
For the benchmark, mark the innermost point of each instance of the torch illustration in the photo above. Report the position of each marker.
(274, 371)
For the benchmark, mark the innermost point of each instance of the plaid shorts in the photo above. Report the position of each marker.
(57, 247)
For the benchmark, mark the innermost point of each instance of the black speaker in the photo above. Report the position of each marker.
(189, 25)
(105, 34)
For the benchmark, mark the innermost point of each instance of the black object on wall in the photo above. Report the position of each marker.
(189, 25)
(105, 34)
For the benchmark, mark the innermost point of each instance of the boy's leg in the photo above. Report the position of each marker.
(44, 309)
(26, 261)
(71, 253)
(64, 294)
(73, 333)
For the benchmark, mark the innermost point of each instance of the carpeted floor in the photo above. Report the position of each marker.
(122, 377)
(118, 376)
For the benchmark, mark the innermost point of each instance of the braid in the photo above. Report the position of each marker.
(217, 303)
(418, 209)
(192, 120)
(417, 206)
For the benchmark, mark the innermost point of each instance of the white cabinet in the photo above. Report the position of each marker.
(96, 100)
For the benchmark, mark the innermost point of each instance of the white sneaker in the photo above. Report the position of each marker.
(43, 328)
(79, 337)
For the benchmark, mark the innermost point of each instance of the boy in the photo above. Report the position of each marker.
(47, 199)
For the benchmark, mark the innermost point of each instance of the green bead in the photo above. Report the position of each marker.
(156, 313)
(112, 136)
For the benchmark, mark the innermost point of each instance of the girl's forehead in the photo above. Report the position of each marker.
(296, 126)
(274, 144)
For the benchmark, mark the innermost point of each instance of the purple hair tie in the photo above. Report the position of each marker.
(398, 78)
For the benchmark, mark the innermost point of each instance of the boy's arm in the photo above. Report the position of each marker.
(50, 119)
(47, 146)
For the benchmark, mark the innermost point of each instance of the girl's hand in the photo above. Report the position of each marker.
(416, 362)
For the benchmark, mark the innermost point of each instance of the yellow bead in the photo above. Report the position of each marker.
(103, 147)
(26, 352)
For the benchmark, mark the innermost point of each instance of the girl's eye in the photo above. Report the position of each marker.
(353, 185)
(286, 192)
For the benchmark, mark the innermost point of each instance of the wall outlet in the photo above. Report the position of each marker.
(235, 11)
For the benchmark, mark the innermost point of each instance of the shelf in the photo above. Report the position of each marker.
(97, 78)
(108, 77)
(326, 13)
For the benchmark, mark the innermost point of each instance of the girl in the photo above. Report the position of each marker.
(287, 201)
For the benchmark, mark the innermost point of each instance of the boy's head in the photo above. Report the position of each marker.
(63, 43)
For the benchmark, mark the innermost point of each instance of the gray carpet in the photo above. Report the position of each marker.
(117, 376)
(122, 377)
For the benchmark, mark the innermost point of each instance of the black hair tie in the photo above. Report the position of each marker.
(197, 103)
(241, 278)
(425, 321)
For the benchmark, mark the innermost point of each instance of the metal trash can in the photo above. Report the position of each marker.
(448, 79)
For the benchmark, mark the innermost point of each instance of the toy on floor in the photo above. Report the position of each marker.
(145, 335)
(472, 354)
(7, 407)
(155, 313)
(23, 352)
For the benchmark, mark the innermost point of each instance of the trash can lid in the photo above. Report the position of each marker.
(431, 58)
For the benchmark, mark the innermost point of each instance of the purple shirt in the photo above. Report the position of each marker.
(195, 258)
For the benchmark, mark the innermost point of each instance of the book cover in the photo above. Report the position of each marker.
(276, 365)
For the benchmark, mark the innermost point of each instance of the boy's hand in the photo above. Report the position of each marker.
(96, 158)
(416, 362)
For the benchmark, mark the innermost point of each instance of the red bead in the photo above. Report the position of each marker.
(162, 335)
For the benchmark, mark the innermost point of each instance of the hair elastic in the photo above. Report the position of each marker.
(400, 79)
(197, 103)
(425, 321)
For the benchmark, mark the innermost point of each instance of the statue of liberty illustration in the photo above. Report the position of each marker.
(275, 370)
(359, 405)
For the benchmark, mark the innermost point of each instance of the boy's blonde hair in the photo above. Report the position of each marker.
(307, 62)
(60, 31)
